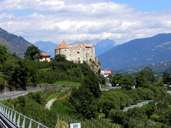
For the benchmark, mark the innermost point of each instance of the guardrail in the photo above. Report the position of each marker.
(18, 119)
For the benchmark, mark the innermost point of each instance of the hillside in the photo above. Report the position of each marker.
(15, 44)
(138, 52)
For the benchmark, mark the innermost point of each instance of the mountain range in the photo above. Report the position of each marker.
(152, 51)
(100, 46)
(104, 46)
(137, 53)
(46, 46)
(16, 44)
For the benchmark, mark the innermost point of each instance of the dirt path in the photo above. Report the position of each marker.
(50, 103)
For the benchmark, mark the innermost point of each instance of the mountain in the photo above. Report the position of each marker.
(137, 53)
(103, 46)
(100, 46)
(46, 46)
(15, 44)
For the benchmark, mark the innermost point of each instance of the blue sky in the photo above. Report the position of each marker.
(79, 20)
(148, 5)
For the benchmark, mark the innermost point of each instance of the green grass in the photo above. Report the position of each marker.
(61, 109)
(68, 84)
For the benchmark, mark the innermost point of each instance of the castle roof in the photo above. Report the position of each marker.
(63, 45)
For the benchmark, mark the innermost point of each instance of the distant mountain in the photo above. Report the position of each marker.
(46, 46)
(104, 46)
(100, 46)
(15, 44)
(162, 67)
(138, 52)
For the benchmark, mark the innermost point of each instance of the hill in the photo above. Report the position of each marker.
(138, 52)
(15, 44)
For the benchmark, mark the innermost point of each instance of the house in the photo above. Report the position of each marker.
(106, 73)
(44, 57)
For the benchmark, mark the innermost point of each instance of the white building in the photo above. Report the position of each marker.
(78, 53)
(106, 73)
(44, 57)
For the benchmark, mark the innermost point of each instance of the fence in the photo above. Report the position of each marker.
(18, 119)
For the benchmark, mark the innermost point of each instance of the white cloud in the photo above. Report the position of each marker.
(79, 20)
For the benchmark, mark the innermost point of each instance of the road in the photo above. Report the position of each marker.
(138, 105)
(15, 94)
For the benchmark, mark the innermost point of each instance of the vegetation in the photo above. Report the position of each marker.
(78, 98)
(18, 73)
(32, 53)
(84, 99)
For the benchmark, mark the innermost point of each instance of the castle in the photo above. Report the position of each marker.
(79, 53)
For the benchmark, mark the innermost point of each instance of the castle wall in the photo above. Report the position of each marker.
(78, 54)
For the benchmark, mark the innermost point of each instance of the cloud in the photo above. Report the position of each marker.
(74, 20)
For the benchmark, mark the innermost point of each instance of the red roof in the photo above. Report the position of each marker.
(63, 45)
(44, 54)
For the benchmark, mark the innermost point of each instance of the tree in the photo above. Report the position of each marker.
(106, 107)
(60, 62)
(2, 83)
(116, 79)
(117, 116)
(84, 102)
(18, 76)
(127, 82)
(124, 80)
(60, 58)
(92, 84)
(85, 98)
(32, 53)
(3, 54)
(166, 78)
(145, 77)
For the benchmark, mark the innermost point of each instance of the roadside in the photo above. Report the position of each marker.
(17, 93)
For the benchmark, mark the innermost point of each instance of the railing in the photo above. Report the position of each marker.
(18, 119)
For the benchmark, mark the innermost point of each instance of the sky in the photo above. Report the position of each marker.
(80, 20)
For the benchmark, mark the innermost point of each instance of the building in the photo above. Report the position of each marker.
(44, 57)
(106, 73)
(78, 53)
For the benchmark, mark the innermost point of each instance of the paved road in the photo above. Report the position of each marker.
(15, 94)
(169, 92)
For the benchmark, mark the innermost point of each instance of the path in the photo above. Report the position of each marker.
(138, 105)
(50, 103)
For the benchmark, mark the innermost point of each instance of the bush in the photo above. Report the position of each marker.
(117, 116)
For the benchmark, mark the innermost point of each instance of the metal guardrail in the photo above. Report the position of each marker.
(19, 120)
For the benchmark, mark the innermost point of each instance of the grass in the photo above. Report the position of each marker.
(61, 109)
(68, 84)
